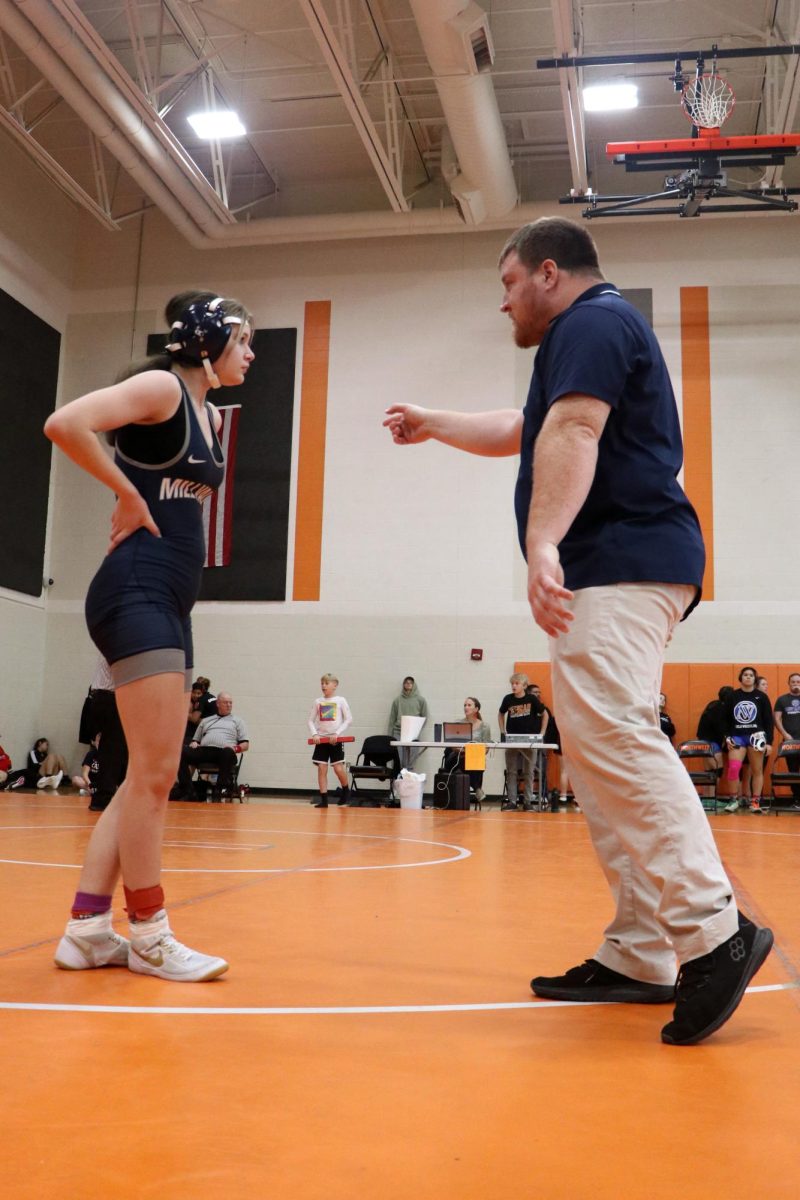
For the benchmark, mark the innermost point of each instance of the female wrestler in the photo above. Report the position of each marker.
(167, 459)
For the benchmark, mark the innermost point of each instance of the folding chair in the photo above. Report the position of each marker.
(377, 760)
(208, 776)
(786, 778)
(690, 752)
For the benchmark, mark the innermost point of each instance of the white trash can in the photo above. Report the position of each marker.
(408, 786)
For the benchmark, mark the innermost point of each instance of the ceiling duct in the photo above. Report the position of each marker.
(472, 26)
(459, 48)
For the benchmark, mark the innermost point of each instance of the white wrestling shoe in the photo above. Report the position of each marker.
(50, 781)
(91, 942)
(155, 951)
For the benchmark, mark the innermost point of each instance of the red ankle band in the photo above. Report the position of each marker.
(143, 903)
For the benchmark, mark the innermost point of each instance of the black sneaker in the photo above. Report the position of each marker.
(321, 803)
(710, 988)
(592, 981)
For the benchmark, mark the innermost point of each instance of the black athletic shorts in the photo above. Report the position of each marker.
(327, 753)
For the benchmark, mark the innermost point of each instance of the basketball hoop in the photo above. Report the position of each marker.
(707, 101)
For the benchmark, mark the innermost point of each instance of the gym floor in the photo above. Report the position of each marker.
(375, 1035)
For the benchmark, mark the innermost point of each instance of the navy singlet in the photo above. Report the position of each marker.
(139, 603)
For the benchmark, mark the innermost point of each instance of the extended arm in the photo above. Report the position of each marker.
(492, 434)
(564, 464)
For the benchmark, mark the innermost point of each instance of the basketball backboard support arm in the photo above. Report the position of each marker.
(700, 176)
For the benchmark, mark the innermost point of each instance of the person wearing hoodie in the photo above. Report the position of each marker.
(408, 704)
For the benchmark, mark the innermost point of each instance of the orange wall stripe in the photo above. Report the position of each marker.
(698, 464)
(311, 452)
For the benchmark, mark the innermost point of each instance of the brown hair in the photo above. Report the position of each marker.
(569, 245)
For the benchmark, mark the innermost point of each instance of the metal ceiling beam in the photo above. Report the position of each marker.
(687, 55)
(198, 41)
(54, 171)
(571, 96)
(351, 95)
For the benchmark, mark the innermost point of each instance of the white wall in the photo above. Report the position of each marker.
(420, 560)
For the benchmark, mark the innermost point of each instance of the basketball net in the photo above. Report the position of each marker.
(707, 101)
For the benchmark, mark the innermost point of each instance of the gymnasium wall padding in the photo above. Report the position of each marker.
(28, 382)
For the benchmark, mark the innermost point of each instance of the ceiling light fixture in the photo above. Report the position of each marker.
(217, 125)
(610, 97)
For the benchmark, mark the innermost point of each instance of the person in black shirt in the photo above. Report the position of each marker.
(667, 725)
(787, 722)
(713, 725)
(750, 731)
(519, 713)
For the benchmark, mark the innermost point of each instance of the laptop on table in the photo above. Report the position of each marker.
(457, 731)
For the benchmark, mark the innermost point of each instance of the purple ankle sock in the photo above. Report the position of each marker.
(86, 904)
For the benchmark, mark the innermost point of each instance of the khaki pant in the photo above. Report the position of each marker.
(646, 822)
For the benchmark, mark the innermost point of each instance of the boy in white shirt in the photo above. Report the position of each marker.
(330, 716)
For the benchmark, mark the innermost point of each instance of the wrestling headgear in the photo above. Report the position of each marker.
(200, 335)
(758, 741)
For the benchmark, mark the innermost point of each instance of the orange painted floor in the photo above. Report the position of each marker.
(320, 1066)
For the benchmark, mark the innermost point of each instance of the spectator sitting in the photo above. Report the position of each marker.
(713, 725)
(219, 739)
(43, 769)
(481, 732)
(5, 767)
(87, 780)
(667, 726)
(787, 722)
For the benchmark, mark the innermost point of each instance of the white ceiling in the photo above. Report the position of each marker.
(304, 156)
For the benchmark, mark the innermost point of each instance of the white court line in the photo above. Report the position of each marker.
(329, 1010)
(460, 852)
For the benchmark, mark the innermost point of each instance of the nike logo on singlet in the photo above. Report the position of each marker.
(192, 459)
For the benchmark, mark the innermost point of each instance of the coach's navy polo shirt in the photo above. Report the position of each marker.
(636, 524)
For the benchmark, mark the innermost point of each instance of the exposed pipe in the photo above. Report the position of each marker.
(470, 110)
